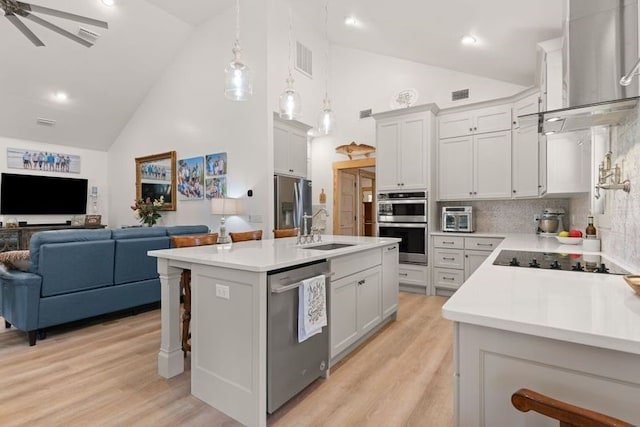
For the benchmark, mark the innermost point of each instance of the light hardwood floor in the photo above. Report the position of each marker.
(104, 374)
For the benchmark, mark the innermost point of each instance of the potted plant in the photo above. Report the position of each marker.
(146, 210)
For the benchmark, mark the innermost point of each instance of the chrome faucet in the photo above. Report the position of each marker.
(310, 238)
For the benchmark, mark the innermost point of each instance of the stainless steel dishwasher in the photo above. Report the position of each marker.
(292, 366)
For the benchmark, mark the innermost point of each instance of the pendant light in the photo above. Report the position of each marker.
(237, 80)
(290, 103)
(326, 120)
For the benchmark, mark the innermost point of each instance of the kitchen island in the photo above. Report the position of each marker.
(229, 310)
(574, 336)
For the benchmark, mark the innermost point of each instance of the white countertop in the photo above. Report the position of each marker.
(586, 308)
(474, 234)
(267, 255)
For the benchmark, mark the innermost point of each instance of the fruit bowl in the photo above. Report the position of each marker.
(569, 240)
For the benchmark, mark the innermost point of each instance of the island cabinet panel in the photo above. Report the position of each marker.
(390, 276)
(491, 364)
(355, 308)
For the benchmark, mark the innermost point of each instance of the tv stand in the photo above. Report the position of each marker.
(18, 238)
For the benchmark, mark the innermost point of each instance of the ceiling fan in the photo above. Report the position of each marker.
(14, 10)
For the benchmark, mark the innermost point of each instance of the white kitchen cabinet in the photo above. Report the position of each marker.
(455, 258)
(355, 308)
(290, 148)
(414, 278)
(525, 163)
(481, 120)
(524, 106)
(390, 282)
(475, 167)
(403, 144)
(565, 160)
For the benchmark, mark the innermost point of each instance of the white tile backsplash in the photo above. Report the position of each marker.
(508, 216)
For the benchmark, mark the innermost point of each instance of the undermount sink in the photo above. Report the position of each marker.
(329, 246)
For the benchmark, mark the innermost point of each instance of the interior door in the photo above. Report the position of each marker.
(347, 210)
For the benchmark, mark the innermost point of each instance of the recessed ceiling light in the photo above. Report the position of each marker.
(351, 21)
(60, 96)
(469, 40)
(108, 2)
(550, 132)
(554, 119)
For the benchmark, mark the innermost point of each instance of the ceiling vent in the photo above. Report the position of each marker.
(88, 35)
(45, 122)
(457, 95)
(365, 113)
(304, 59)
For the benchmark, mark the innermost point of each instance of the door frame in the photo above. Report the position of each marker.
(346, 164)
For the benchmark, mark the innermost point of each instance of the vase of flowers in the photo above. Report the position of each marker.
(146, 210)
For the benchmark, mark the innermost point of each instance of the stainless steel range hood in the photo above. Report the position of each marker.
(600, 45)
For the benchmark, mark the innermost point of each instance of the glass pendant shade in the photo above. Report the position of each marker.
(326, 120)
(290, 104)
(237, 78)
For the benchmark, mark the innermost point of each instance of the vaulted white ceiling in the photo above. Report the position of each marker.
(107, 82)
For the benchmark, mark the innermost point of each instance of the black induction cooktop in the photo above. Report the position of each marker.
(585, 263)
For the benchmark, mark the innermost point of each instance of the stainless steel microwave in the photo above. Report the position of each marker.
(457, 218)
(403, 207)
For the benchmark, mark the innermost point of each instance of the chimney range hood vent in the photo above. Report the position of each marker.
(600, 45)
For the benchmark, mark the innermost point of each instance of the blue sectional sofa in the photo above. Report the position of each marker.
(77, 274)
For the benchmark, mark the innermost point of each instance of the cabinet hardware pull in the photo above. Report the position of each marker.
(403, 274)
(475, 128)
(470, 193)
(484, 244)
(514, 191)
(447, 243)
(466, 256)
(470, 129)
(391, 248)
(361, 282)
(448, 258)
(475, 192)
(448, 278)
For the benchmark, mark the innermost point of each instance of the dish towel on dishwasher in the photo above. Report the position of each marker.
(312, 307)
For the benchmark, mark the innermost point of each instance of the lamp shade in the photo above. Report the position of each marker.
(224, 206)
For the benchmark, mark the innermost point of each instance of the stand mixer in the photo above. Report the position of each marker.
(550, 223)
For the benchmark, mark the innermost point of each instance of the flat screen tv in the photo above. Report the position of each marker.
(42, 195)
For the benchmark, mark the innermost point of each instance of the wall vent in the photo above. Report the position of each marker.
(365, 113)
(457, 95)
(304, 59)
(45, 122)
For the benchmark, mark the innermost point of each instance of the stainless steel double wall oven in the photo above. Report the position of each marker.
(405, 215)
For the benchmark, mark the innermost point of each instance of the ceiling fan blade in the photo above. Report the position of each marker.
(64, 15)
(23, 29)
(57, 29)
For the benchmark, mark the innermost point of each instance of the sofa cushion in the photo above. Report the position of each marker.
(138, 232)
(75, 266)
(60, 236)
(177, 230)
(131, 260)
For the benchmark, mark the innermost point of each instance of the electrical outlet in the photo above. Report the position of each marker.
(222, 291)
(255, 219)
(536, 218)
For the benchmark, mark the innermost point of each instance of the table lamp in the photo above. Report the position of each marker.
(223, 206)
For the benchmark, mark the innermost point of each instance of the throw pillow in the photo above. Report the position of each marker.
(15, 260)
(4, 273)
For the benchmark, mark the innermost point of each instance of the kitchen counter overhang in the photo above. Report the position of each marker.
(585, 308)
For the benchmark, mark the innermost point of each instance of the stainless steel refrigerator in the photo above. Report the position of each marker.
(292, 200)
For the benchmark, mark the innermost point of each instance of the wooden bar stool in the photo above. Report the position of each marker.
(185, 280)
(285, 232)
(569, 415)
(246, 235)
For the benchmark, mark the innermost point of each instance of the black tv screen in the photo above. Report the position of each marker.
(42, 195)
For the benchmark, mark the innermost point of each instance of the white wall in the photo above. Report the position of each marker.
(361, 80)
(93, 167)
(186, 111)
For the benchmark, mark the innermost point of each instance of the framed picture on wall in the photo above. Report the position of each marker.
(190, 178)
(216, 187)
(40, 160)
(216, 164)
(155, 177)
